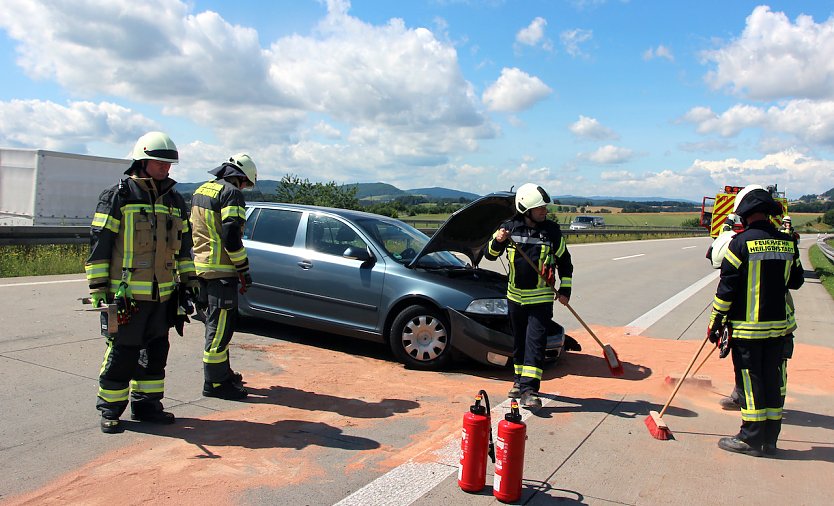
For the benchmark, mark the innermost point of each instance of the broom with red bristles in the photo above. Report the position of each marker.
(608, 352)
(657, 427)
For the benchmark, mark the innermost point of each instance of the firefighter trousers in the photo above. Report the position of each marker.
(760, 371)
(221, 320)
(529, 323)
(134, 364)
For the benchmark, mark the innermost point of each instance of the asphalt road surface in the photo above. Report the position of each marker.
(336, 421)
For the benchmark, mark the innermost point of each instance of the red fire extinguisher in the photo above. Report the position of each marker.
(509, 457)
(475, 445)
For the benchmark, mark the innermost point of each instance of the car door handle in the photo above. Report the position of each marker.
(305, 264)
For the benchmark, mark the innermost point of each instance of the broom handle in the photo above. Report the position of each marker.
(705, 360)
(586, 326)
(688, 368)
(525, 257)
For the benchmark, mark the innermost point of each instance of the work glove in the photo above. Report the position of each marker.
(716, 321)
(125, 304)
(192, 289)
(245, 281)
(97, 299)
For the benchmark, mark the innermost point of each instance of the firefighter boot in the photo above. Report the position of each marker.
(227, 390)
(769, 449)
(111, 425)
(736, 445)
(515, 391)
(531, 400)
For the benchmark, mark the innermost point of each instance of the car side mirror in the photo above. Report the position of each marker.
(354, 253)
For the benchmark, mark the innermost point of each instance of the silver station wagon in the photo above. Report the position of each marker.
(372, 277)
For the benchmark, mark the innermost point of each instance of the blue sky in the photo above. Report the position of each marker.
(593, 97)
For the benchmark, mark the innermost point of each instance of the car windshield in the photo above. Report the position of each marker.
(402, 243)
(583, 219)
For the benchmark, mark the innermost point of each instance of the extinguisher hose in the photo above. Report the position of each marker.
(491, 451)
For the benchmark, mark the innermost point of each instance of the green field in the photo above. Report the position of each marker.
(800, 220)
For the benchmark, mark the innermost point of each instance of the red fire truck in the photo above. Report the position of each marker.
(714, 210)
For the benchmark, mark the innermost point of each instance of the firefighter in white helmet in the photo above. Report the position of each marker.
(218, 214)
(760, 265)
(529, 296)
(140, 256)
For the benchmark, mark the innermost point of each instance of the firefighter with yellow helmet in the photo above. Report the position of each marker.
(218, 214)
(140, 249)
(529, 296)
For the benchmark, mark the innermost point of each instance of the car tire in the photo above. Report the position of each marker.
(420, 338)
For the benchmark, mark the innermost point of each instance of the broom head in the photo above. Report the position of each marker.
(613, 361)
(657, 427)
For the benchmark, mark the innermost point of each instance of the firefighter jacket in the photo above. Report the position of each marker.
(140, 235)
(760, 265)
(545, 246)
(218, 213)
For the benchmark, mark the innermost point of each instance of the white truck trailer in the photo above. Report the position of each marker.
(49, 188)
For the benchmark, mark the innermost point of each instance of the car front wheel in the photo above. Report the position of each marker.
(420, 338)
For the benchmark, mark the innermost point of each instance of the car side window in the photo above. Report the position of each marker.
(331, 236)
(250, 223)
(276, 226)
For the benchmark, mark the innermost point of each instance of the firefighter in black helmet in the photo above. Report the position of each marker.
(218, 213)
(760, 265)
(529, 296)
(140, 250)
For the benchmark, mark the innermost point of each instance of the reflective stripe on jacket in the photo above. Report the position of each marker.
(760, 266)
(140, 235)
(542, 244)
(218, 213)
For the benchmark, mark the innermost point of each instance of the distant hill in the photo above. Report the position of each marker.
(376, 191)
(435, 192)
(829, 194)
(599, 200)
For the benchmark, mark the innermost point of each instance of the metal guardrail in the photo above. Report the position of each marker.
(28, 235)
(827, 250)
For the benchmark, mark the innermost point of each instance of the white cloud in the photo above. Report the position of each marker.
(774, 58)
(515, 91)
(533, 35)
(572, 39)
(660, 51)
(616, 175)
(609, 154)
(402, 81)
(590, 128)
(47, 125)
(806, 120)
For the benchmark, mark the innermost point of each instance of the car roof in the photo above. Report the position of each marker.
(345, 213)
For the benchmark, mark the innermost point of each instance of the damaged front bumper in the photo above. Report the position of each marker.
(490, 346)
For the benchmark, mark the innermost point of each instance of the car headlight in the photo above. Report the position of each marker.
(488, 306)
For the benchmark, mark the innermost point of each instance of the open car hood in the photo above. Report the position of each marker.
(469, 229)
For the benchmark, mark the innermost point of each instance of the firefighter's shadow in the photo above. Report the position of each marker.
(312, 401)
(295, 434)
(624, 409)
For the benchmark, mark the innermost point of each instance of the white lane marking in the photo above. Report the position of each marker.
(44, 282)
(653, 316)
(408, 482)
(630, 256)
(689, 247)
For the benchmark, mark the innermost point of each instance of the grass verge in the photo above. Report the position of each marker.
(42, 260)
(823, 267)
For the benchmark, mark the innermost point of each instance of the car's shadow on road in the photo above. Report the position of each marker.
(569, 364)
(588, 363)
(312, 401)
(296, 434)
(317, 338)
